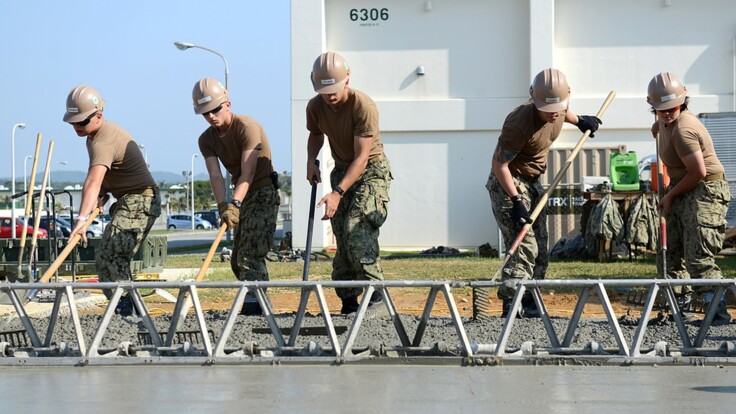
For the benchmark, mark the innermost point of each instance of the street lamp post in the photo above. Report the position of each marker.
(185, 46)
(192, 192)
(12, 182)
(185, 174)
(25, 172)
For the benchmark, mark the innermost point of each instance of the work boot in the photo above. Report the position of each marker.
(349, 305)
(376, 298)
(722, 316)
(685, 305)
(529, 308)
(251, 309)
(684, 301)
(505, 306)
(125, 307)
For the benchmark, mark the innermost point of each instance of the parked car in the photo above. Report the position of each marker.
(60, 228)
(6, 231)
(213, 216)
(61, 225)
(95, 229)
(105, 218)
(184, 221)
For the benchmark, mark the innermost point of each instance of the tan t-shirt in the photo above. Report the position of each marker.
(358, 117)
(524, 132)
(244, 134)
(683, 137)
(114, 148)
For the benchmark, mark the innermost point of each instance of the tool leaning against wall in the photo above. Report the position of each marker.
(26, 215)
(33, 253)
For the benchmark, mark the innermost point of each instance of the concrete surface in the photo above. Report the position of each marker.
(368, 389)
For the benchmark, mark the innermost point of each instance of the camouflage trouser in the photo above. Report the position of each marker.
(133, 216)
(254, 234)
(531, 257)
(356, 223)
(696, 227)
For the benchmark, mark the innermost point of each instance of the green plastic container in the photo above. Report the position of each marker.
(624, 171)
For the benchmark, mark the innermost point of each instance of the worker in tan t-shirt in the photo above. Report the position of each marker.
(697, 199)
(239, 142)
(519, 159)
(116, 166)
(358, 203)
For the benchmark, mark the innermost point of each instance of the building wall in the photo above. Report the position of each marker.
(479, 57)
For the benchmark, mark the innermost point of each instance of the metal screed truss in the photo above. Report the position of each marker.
(25, 347)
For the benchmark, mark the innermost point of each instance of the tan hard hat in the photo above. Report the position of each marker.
(208, 94)
(666, 91)
(550, 91)
(82, 102)
(329, 73)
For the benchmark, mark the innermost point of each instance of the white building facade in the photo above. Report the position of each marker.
(445, 73)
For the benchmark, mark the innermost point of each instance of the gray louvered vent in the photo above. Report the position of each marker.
(722, 128)
(590, 161)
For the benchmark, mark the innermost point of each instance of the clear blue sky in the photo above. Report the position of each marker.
(125, 50)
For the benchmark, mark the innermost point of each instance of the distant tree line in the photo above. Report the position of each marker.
(179, 199)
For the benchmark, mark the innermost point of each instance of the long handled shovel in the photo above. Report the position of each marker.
(296, 329)
(29, 202)
(200, 276)
(662, 218)
(73, 241)
(543, 201)
(210, 254)
(39, 210)
(310, 226)
(668, 292)
(71, 244)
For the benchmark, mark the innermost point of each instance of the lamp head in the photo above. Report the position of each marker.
(183, 45)
(21, 125)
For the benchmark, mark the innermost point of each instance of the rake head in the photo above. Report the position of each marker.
(481, 303)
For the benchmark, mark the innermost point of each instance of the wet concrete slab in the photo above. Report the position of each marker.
(367, 389)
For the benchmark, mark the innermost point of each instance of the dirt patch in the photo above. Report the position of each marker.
(409, 303)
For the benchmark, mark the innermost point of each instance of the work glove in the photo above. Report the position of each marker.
(221, 207)
(588, 122)
(230, 215)
(519, 213)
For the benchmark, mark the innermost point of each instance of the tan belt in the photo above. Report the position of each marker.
(715, 177)
(143, 191)
(377, 158)
(712, 177)
(527, 178)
